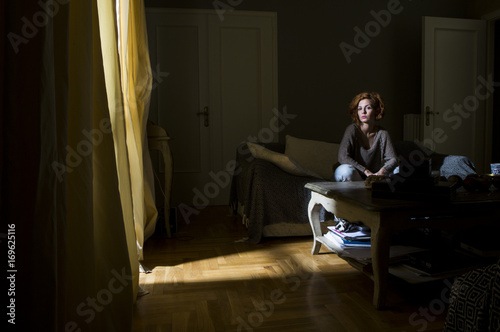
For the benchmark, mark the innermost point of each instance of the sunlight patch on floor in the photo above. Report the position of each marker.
(231, 268)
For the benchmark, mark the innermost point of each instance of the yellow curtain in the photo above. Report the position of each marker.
(70, 136)
(95, 276)
(128, 82)
(136, 79)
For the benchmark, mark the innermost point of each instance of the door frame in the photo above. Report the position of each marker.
(490, 19)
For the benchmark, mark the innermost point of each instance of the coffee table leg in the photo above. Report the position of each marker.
(313, 210)
(380, 263)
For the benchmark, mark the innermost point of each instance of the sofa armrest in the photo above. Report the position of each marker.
(244, 159)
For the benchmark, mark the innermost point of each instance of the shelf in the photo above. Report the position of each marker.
(360, 259)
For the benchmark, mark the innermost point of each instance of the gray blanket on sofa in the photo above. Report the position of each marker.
(264, 189)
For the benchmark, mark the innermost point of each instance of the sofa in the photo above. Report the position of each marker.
(267, 187)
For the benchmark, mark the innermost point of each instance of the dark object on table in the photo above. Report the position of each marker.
(493, 179)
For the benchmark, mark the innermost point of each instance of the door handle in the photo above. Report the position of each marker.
(205, 115)
(427, 113)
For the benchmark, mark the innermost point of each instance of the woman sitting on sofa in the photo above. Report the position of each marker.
(366, 148)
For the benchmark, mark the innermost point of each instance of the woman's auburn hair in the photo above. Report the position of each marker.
(376, 101)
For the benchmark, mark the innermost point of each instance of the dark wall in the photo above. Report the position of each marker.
(315, 80)
(477, 8)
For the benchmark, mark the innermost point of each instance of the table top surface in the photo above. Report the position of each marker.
(356, 193)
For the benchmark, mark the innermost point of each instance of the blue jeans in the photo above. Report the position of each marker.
(347, 172)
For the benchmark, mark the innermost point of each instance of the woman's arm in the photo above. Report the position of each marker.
(347, 145)
(389, 155)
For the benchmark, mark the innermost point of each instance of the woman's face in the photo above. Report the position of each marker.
(366, 113)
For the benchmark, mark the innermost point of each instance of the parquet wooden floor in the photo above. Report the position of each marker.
(203, 280)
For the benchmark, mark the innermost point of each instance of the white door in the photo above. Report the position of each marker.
(217, 88)
(455, 87)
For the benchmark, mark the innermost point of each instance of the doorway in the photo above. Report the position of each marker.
(453, 72)
(218, 88)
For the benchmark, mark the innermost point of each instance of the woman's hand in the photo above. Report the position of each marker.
(382, 171)
(368, 172)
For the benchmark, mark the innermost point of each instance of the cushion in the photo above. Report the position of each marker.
(284, 162)
(316, 156)
(474, 301)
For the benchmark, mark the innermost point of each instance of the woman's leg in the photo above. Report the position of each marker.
(347, 172)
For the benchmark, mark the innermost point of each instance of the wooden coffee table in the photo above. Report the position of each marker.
(353, 202)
